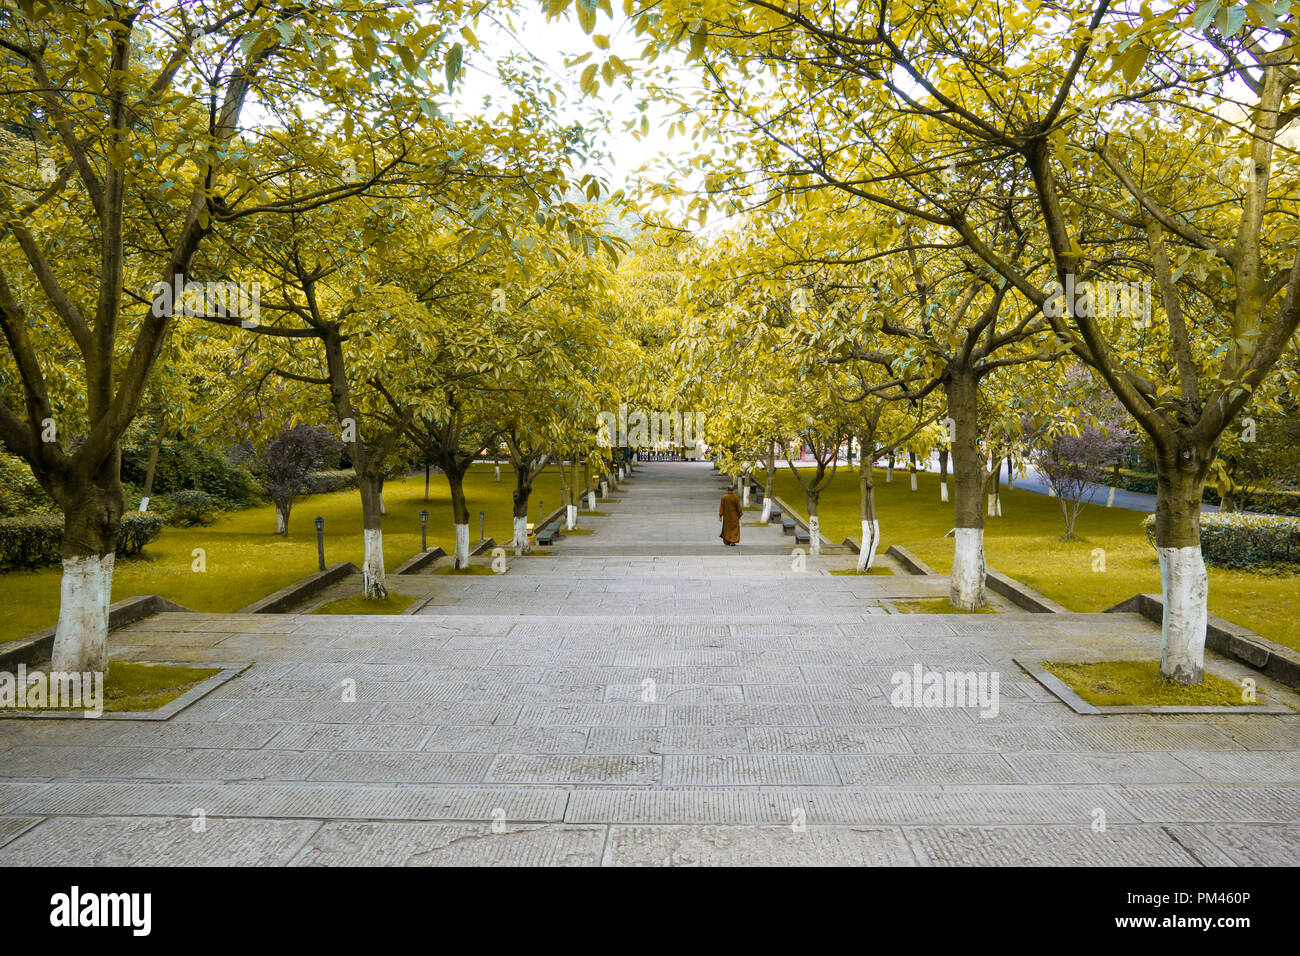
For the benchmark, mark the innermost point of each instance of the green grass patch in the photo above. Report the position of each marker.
(938, 606)
(247, 560)
(468, 569)
(357, 604)
(1135, 683)
(876, 570)
(130, 686)
(1026, 544)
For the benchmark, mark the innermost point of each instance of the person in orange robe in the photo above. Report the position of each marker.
(729, 512)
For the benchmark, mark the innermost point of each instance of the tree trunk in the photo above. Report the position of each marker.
(911, 457)
(426, 481)
(282, 517)
(867, 512)
(943, 475)
(889, 472)
(372, 570)
(1183, 579)
(966, 585)
(995, 490)
(814, 524)
(523, 490)
(92, 513)
(459, 516)
(147, 492)
(768, 480)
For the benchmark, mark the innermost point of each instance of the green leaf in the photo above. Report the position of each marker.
(454, 56)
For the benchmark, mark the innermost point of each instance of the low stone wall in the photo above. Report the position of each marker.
(1231, 640)
(289, 597)
(35, 647)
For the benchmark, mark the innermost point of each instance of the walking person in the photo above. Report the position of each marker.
(729, 512)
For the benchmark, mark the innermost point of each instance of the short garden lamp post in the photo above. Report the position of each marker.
(480, 526)
(320, 540)
(424, 523)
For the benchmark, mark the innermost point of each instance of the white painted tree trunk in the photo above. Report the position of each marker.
(870, 542)
(496, 469)
(1182, 631)
(766, 516)
(460, 558)
(1110, 497)
(943, 491)
(81, 635)
(914, 481)
(591, 500)
(281, 522)
(383, 508)
(814, 536)
(372, 570)
(144, 504)
(995, 506)
(744, 499)
(521, 535)
(604, 488)
(889, 475)
(966, 587)
(571, 517)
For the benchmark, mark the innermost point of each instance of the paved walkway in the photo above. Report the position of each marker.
(645, 696)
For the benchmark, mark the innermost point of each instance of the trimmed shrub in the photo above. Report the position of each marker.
(191, 507)
(19, 492)
(1245, 541)
(323, 482)
(35, 541)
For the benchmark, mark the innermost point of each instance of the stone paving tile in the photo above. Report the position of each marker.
(985, 738)
(11, 827)
(913, 770)
(593, 715)
(827, 740)
(1254, 767)
(990, 805)
(311, 801)
(1111, 737)
(668, 740)
(742, 715)
(1278, 733)
(676, 693)
(1236, 845)
(123, 841)
(348, 737)
(509, 739)
(627, 769)
(1214, 804)
(396, 767)
(1076, 845)
(446, 844)
(749, 770)
(1099, 768)
(757, 846)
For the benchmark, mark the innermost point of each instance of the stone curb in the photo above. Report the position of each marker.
(487, 544)
(419, 561)
(1021, 595)
(801, 522)
(908, 560)
(1231, 640)
(282, 600)
(34, 647)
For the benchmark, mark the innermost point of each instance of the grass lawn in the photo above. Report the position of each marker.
(1119, 683)
(247, 560)
(1026, 544)
(357, 604)
(938, 606)
(129, 686)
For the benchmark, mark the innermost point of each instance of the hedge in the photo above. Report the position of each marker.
(1275, 501)
(1244, 540)
(35, 540)
(323, 482)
